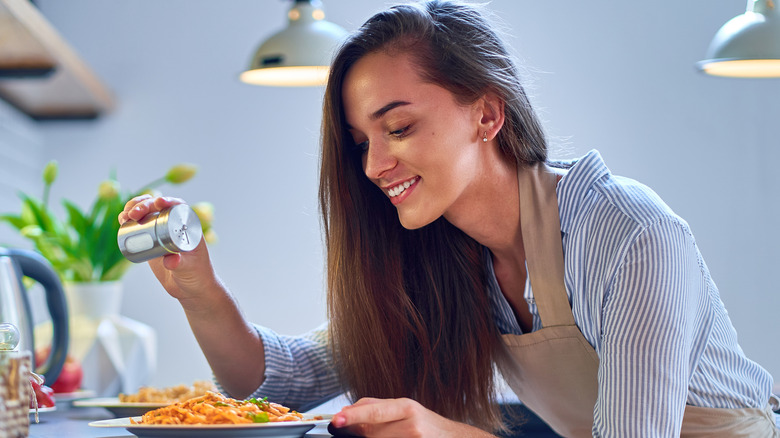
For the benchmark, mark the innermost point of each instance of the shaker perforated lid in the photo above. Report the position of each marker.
(178, 228)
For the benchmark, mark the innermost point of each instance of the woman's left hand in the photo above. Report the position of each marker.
(402, 417)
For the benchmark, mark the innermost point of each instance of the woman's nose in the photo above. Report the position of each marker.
(378, 159)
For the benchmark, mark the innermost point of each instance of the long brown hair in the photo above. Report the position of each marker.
(409, 311)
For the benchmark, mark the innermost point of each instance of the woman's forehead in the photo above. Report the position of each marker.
(377, 80)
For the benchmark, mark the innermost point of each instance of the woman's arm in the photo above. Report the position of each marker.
(230, 343)
(299, 370)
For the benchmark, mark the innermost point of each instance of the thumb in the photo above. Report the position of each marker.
(171, 261)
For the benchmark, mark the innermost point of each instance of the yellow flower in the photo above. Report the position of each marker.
(210, 236)
(108, 189)
(205, 212)
(50, 172)
(181, 173)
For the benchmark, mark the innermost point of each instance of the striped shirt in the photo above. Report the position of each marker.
(640, 293)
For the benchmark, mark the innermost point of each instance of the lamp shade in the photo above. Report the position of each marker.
(299, 55)
(748, 45)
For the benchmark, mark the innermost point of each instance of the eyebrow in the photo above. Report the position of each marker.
(381, 111)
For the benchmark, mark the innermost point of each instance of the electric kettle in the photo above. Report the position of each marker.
(15, 305)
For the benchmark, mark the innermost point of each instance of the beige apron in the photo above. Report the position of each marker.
(555, 373)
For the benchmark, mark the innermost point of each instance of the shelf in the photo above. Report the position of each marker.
(40, 74)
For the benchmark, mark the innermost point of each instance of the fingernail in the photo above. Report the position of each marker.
(338, 421)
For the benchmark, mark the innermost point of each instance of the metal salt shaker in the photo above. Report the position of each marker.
(173, 230)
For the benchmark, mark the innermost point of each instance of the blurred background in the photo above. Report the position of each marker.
(617, 77)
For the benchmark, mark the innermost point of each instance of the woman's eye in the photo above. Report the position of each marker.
(361, 147)
(400, 133)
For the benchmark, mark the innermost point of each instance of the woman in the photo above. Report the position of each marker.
(455, 248)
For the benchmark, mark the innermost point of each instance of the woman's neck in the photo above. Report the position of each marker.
(489, 212)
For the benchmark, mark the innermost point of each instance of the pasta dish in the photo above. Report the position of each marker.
(214, 408)
(172, 394)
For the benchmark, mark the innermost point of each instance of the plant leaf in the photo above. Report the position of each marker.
(13, 220)
(76, 218)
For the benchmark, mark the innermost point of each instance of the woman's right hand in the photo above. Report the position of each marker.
(184, 275)
(212, 312)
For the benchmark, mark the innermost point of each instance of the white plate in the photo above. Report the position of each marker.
(75, 395)
(282, 429)
(43, 409)
(118, 408)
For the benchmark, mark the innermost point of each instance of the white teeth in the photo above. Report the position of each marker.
(397, 190)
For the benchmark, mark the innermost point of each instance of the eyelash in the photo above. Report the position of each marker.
(401, 133)
(398, 134)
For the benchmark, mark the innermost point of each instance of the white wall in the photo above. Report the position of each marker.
(618, 77)
(22, 152)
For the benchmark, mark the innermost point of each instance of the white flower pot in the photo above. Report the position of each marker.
(117, 354)
(96, 300)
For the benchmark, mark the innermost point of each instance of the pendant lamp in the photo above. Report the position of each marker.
(300, 54)
(748, 45)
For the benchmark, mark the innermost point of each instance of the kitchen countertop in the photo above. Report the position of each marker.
(69, 421)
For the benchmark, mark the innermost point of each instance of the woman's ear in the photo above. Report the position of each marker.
(491, 116)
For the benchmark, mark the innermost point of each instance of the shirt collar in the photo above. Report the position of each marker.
(575, 185)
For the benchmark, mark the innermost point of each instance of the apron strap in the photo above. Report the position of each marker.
(541, 228)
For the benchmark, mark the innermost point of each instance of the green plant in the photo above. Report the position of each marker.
(84, 247)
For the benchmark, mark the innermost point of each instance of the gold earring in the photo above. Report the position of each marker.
(484, 137)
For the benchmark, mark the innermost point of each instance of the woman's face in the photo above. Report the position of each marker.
(419, 145)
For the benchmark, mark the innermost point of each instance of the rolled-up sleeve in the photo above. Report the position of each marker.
(299, 370)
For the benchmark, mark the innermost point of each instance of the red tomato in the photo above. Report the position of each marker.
(71, 375)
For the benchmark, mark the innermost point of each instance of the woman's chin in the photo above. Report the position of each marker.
(413, 221)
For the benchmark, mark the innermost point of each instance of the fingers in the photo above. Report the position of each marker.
(140, 206)
(367, 401)
(123, 216)
(380, 418)
(371, 411)
(129, 204)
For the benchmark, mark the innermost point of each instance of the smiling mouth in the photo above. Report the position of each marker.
(397, 190)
